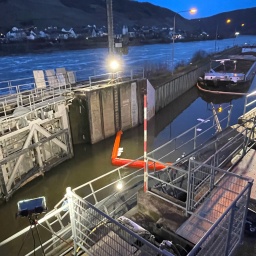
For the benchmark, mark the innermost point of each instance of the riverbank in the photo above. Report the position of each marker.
(48, 46)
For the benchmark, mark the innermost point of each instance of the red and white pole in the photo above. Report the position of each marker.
(145, 145)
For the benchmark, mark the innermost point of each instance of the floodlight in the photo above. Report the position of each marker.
(31, 207)
(119, 185)
(114, 65)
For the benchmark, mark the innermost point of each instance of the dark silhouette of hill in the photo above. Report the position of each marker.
(242, 21)
(78, 13)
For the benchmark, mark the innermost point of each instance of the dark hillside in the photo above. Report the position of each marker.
(70, 13)
(243, 21)
(79, 13)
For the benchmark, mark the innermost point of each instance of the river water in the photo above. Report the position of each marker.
(93, 60)
(91, 161)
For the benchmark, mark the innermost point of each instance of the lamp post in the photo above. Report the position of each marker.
(236, 34)
(191, 11)
(110, 27)
(228, 21)
(216, 37)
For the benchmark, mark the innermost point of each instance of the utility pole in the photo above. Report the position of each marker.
(110, 27)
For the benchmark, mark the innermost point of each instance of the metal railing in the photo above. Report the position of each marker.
(204, 178)
(175, 180)
(225, 210)
(250, 101)
(29, 92)
(194, 137)
(116, 77)
(100, 198)
(79, 78)
(15, 86)
(96, 233)
(105, 197)
(32, 99)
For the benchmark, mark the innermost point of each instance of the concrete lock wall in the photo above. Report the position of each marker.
(170, 91)
(108, 115)
(99, 112)
(79, 120)
(95, 116)
(112, 108)
(125, 106)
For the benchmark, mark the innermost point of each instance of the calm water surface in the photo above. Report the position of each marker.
(91, 161)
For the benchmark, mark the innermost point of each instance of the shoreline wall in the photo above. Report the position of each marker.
(171, 90)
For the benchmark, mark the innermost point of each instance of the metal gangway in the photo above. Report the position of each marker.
(89, 218)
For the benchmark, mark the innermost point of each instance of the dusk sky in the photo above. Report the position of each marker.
(205, 8)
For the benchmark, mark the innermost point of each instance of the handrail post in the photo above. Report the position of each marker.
(72, 216)
(29, 102)
(245, 104)
(90, 81)
(4, 108)
(195, 135)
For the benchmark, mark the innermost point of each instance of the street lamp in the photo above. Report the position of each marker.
(113, 65)
(236, 34)
(216, 37)
(191, 11)
(228, 21)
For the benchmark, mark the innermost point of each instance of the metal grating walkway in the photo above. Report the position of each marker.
(212, 209)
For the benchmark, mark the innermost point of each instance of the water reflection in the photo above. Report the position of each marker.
(220, 98)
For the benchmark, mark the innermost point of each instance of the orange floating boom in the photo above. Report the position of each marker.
(131, 163)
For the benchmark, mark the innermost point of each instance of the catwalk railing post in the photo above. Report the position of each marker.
(72, 216)
(145, 142)
(230, 228)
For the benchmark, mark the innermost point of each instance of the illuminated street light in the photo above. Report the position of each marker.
(217, 30)
(236, 34)
(114, 65)
(191, 11)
